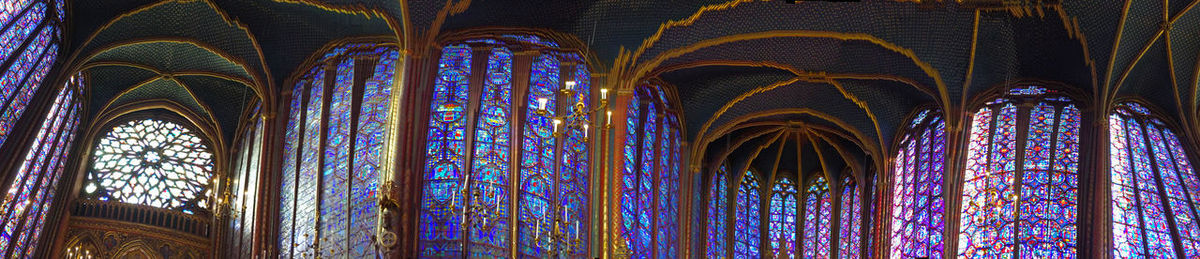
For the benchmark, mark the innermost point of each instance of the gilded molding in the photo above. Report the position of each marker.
(645, 68)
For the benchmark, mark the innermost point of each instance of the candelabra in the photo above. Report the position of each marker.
(556, 241)
(474, 212)
(79, 252)
(577, 118)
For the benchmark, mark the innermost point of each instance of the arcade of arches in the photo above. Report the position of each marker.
(599, 129)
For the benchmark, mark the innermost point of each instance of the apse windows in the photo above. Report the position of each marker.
(747, 218)
(851, 220)
(28, 46)
(1153, 187)
(30, 195)
(818, 210)
(332, 150)
(1020, 183)
(782, 222)
(152, 162)
(499, 125)
(917, 200)
(649, 214)
(718, 201)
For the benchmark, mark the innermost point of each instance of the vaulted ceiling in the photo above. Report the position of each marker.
(213, 58)
(856, 67)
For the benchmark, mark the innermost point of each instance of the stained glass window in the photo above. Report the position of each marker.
(31, 192)
(629, 176)
(1152, 184)
(817, 212)
(717, 203)
(1019, 192)
(650, 187)
(151, 162)
(551, 169)
(746, 219)
(445, 155)
(917, 204)
(575, 170)
(343, 218)
(243, 199)
(851, 220)
(782, 229)
(668, 190)
(29, 46)
(537, 162)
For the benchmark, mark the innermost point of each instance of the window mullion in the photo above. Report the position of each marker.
(326, 97)
(1179, 173)
(479, 61)
(1156, 169)
(1137, 190)
(1021, 138)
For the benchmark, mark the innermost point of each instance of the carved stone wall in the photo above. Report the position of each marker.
(101, 238)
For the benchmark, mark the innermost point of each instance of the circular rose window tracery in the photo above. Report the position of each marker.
(151, 162)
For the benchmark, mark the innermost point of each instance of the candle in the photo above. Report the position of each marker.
(570, 85)
(608, 121)
(585, 130)
(604, 93)
(556, 122)
(537, 232)
(577, 230)
(542, 103)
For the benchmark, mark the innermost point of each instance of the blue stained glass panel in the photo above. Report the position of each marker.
(537, 157)
(642, 239)
(716, 215)
(287, 195)
(445, 151)
(306, 195)
(372, 130)
(629, 173)
(746, 219)
(333, 176)
(490, 167)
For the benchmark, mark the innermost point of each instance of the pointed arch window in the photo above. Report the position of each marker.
(817, 219)
(782, 228)
(1154, 187)
(31, 193)
(650, 188)
(332, 147)
(917, 200)
(851, 220)
(28, 46)
(717, 202)
(494, 136)
(747, 218)
(243, 186)
(1020, 184)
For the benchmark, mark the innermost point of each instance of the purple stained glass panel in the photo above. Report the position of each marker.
(817, 213)
(717, 204)
(851, 221)
(782, 226)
